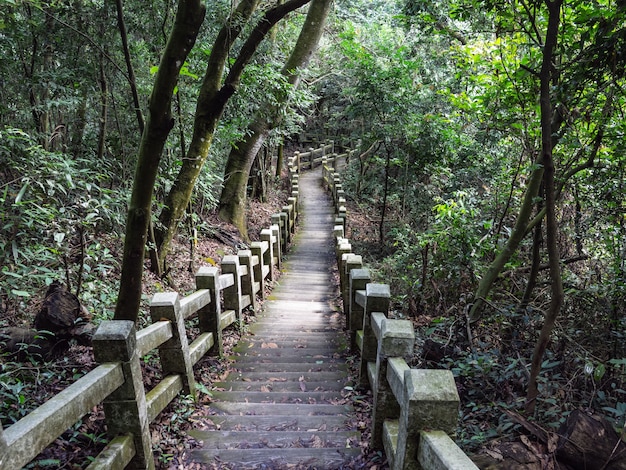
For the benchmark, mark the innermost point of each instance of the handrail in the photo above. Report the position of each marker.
(222, 293)
(415, 410)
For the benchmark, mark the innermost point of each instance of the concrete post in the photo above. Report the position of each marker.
(174, 353)
(396, 338)
(209, 316)
(125, 409)
(268, 256)
(247, 281)
(259, 249)
(276, 242)
(232, 294)
(352, 262)
(359, 278)
(430, 401)
(377, 300)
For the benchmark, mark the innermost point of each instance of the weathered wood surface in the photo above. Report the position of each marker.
(283, 404)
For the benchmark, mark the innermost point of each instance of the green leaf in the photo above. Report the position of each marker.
(20, 293)
(20, 195)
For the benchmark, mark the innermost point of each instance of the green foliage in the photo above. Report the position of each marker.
(53, 209)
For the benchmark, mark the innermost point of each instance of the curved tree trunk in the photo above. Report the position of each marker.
(210, 106)
(552, 229)
(232, 205)
(189, 18)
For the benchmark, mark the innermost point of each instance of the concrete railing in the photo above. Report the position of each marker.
(221, 296)
(415, 410)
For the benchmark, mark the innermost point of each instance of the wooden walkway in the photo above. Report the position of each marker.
(283, 407)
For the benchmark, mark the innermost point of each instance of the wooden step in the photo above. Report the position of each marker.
(280, 386)
(285, 376)
(300, 367)
(279, 423)
(330, 358)
(272, 458)
(303, 396)
(281, 409)
(282, 439)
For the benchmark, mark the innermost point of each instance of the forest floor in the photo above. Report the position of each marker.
(39, 380)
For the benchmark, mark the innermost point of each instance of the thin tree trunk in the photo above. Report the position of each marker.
(104, 96)
(554, 9)
(129, 64)
(189, 18)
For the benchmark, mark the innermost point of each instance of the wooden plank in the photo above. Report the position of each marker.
(239, 439)
(273, 458)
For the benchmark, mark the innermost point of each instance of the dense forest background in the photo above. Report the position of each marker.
(490, 172)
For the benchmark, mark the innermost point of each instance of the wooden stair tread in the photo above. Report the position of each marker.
(287, 386)
(252, 458)
(281, 409)
(306, 396)
(279, 423)
(285, 376)
(244, 439)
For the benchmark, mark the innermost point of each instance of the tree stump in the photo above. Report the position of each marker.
(60, 312)
(590, 443)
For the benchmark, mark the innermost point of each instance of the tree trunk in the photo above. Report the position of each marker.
(232, 205)
(189, 18)
(129, 64)
(554, 9)
(104, 93)
(210, 106)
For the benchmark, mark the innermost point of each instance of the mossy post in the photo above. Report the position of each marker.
(209, 316)
(248, 280)
(259, 249)
(232, 294)
(174, 353)
(352, 262)
(359, 278)
(268, 256)
(377, 297)
(276, 242)
(396, 338)
(125, 409)
(430, 401)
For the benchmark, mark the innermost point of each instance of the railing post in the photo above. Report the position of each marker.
(232, 294)
(359, 278)
(247, 281)
(377, 300)
(430, 401)
(125, 409)
(279, 220)
(3, 447)
(284, 230)
(259, 249)
(293, 203)
(396, 338)
(352, 262)
(268, 256)
(174, 353)
(209, 316)
(276, 242)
